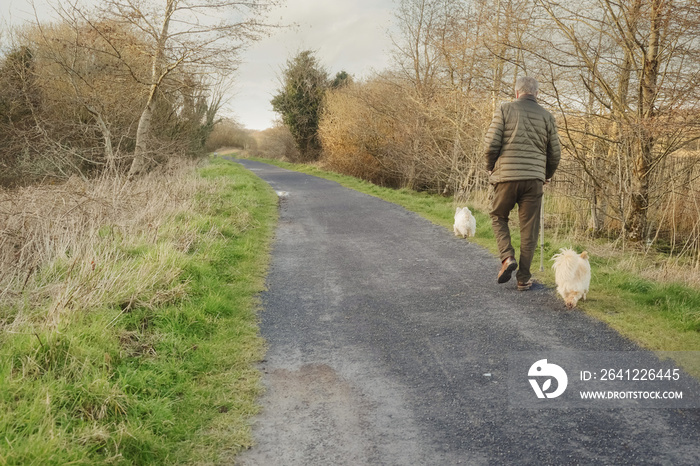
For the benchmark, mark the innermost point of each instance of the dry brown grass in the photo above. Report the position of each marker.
(81, 244)
(648, 264)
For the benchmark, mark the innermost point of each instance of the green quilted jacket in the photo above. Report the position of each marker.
(522, 142)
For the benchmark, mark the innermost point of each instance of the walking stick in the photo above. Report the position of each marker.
(542, 235)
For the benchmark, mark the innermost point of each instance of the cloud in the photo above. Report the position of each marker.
(348, 35)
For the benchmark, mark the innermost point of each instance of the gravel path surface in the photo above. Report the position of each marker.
(389, 341)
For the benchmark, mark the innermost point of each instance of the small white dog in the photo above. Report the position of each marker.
(465, 223)
(572, 273)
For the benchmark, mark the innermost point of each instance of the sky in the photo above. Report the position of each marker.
(347, 35)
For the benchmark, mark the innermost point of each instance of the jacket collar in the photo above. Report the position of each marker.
(528, 97)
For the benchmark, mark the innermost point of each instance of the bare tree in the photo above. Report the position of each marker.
(77, 89)
(414, 48)
(198, 34)
(79, 54)
(635, 65)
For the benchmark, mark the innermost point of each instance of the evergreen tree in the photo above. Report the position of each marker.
(304, 82)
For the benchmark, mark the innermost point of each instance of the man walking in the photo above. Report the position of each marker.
(522, 154)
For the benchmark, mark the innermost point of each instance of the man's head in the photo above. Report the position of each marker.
(526, 85)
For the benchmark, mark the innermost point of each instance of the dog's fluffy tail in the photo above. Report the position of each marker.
(566, 259)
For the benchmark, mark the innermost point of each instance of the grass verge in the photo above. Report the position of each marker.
(660, 316)
(161, 374)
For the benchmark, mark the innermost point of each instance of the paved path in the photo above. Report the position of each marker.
(389, 341)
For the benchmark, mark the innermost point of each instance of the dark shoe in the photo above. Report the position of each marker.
(509, 265)
(525, 286)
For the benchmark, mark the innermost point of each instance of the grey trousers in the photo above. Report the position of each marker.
(528, 195)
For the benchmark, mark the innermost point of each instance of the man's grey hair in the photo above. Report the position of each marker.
(526, 85)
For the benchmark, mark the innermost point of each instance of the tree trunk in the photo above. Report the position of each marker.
(141, 160)
(110, 161)
(639, 202)
(599, 203)
(109, 150)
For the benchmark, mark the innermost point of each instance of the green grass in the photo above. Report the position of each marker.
(658, 316)
(166, 384)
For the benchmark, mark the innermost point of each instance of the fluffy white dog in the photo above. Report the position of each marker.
(572, 273)
(465, 223)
